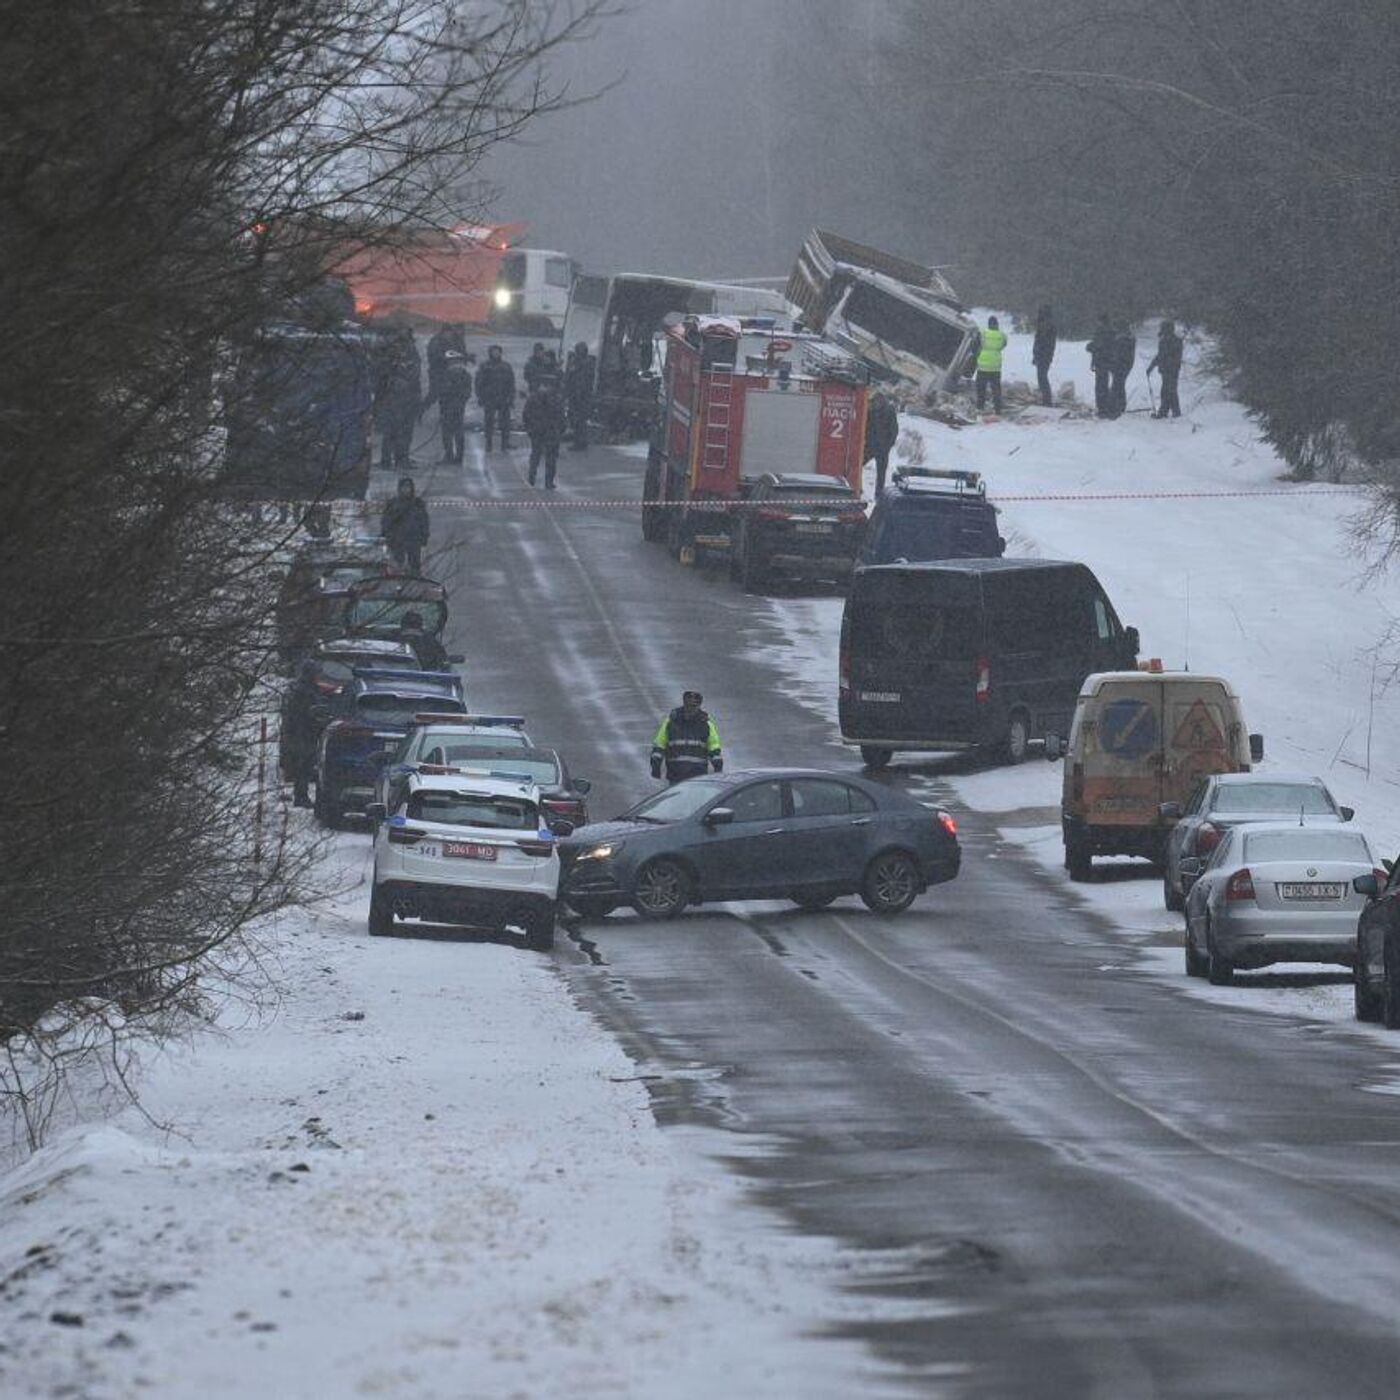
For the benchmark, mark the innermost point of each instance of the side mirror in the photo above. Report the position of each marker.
(1256, 748)
(1055, 747)
(1347, 813)
(719, 816)
(1367, 885)
(1130, 635)
(1190, 866)
(561, 827)
(377, 812)
(1170, 811)
(582, 786)
(455, 658)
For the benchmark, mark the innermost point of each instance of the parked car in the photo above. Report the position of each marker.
(971, 653)
(1138, 744)
(925, 514)
(799, 524)
(467, 850)
(333, 665)
(798, 834)
(311, 601)
(457, 739)
(384, 705)
(1230, 799)
(1377, 980)
(1275, 893)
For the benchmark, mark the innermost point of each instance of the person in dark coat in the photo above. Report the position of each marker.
(578, 391)
(453, 392)
(427, 647)
(543, 420)
(398, 401)
(404, 526)
(1167, 363)
(1101, 359)
(1043, 352)
(300, 732)
(687, 743)
(1123, 355)
(495, 392)
(534, 367)
(445, 340)
(881, 434)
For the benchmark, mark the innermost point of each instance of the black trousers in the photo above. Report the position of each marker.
(882, 465)
(398, 439)
(454, 433)
(407, 556)
(1170, 404)
(548, 449)
(578, 422)
(497, 420)
(1103, 398)
(989, 379)
(1042, 378)
(1117, 393)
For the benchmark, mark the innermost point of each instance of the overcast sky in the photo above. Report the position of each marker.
(716, 147)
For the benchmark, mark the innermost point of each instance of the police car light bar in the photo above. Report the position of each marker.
(934, 479)
(482, 721)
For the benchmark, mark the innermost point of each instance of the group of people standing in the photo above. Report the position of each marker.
(1112, 352)
(558, 400)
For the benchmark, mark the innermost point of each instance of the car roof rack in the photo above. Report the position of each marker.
(933, 479)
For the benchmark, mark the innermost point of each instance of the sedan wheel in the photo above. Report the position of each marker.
(662, 889)
(1196, 965)
(1171, 896)
(381, 913)
(1219, 970)
(1367, 1004)
(891, 883)
(1017, 743)
(811, 902)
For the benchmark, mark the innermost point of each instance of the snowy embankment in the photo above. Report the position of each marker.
(427, 1172)
(1265, 589)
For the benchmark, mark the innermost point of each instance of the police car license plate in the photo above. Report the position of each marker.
(469, 850)
(881, 697)
(1314, 890)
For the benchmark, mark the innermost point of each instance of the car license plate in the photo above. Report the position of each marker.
(814, 529)
(881, 697)
(469, 850)
(1312, 890)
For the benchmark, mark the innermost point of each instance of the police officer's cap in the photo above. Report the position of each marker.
(690, 695)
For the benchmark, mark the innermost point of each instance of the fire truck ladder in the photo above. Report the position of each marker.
(719, 404)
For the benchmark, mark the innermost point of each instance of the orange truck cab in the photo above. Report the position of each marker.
(1138, 740)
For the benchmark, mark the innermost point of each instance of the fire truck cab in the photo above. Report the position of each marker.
(741, 398)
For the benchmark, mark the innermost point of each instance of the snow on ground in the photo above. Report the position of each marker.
(429, 1173)
(1266, 590)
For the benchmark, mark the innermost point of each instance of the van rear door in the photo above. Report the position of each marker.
(1119, 769)
(912, 639)
(1201, 735)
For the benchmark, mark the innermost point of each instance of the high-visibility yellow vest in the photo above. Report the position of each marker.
(989, 356)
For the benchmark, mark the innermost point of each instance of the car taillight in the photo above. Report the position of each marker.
(1240, 886)
(562, 806)
(983, 669)
(405, 835)
(854, 517)
(536, 848)
(1208, 837)
(768, 513)
(945, 820)
(328, 687)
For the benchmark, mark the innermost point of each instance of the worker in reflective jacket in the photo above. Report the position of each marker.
(989, 363)
(687, 742)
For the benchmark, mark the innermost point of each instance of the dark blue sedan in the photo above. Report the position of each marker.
(799, 834)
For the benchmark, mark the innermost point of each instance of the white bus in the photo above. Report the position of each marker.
(532, 290)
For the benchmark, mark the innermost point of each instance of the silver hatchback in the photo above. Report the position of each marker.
(1275, 893)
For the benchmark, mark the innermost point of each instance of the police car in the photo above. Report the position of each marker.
(445, 741)
(469, 848)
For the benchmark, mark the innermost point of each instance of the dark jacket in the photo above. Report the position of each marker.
(535, 367)
(442, 340)
(881, 427)
(400, 392)
(495, 385)
(1124, 351)
(454, 386)
(1101, 348)
(543, 416)
(578, 379)
(687, 745)
(1168, 356)
(404, 522)
(1046, 339)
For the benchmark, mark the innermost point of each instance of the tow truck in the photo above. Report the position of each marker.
(743, 398)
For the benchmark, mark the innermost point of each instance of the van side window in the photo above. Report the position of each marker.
(1102, 620)
(556, 272)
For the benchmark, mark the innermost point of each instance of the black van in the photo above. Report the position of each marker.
(924, 514)
(972, 653)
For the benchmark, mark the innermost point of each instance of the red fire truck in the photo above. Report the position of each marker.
(741, 398)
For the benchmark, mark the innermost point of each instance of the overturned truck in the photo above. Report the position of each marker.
(902, 319)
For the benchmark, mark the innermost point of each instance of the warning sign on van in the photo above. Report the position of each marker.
(1198, 730)
(1128, 729)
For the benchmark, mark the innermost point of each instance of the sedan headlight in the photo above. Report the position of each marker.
(608, 848)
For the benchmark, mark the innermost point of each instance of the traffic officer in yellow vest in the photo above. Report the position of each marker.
(687, 742)
(989, 364)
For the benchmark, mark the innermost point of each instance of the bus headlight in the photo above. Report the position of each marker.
(503, 298)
